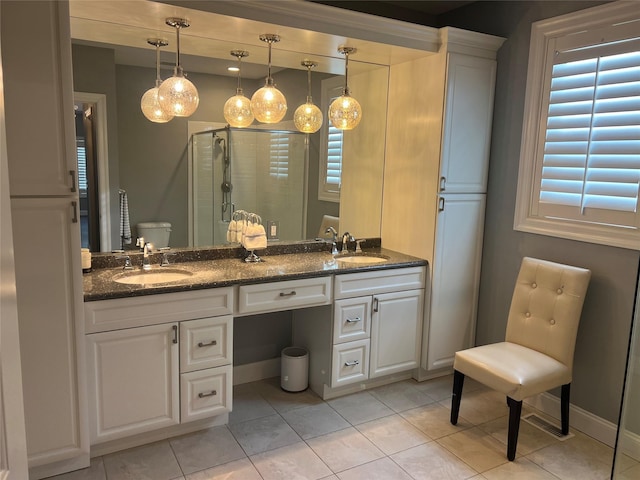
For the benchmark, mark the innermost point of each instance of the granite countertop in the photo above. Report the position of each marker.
(226, 266)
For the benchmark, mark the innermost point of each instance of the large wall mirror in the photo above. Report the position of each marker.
(158, 166)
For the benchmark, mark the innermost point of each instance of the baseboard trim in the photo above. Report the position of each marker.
(252, 372)
(630, 444)
(588, 423)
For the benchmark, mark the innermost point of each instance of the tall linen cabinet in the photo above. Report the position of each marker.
(36, 56)
(436, 165)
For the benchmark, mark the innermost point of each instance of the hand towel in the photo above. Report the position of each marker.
(255, 237)
(125, 227)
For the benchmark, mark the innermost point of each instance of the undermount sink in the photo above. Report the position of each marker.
(362, 258)
(152, 277)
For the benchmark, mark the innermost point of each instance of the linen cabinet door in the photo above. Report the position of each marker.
(395, 332)
(133, 381)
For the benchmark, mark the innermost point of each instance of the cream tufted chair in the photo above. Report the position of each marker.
(537, 354)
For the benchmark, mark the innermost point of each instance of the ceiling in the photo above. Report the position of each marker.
(406, 10)
(205, 45)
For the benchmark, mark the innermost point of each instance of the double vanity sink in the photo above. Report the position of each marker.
(209, 268)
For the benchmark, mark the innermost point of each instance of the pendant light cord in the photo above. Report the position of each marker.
(346, 73)
(158, 80)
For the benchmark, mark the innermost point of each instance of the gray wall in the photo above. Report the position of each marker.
(149, 160)
(94, 71)
(603, 336)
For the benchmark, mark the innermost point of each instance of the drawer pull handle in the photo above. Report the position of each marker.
(290, 294)
(207, 344)
(354, 320)
(208, 394)
(73, 180)
(352, 363)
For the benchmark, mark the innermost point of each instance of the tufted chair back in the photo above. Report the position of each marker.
(546, 307)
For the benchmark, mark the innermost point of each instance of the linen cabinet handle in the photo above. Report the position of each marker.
(375, 304)
(207, 344)
(443, 181)
(208, 394)
(73, 180)
(175, 333)
(441, 204)
(352, 363)
(74, 206)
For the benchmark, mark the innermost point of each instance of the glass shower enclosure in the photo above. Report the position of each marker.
(256, 170)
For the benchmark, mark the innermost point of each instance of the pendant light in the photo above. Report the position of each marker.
(237, 110)
(176, 94)
(268, 103)
(149, 101)
(308, 117)
(345, 111)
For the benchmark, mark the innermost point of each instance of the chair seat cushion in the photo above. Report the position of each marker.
(512, 369)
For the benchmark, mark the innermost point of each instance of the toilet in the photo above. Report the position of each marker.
(156, 233)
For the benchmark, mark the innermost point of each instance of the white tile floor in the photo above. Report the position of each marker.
(399, 431)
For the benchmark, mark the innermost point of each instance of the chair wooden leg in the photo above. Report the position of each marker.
(458, 382)
(515, 409)
(564, 407)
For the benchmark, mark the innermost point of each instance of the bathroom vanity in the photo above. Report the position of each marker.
(160, 355)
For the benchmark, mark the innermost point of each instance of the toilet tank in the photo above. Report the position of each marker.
(155, 232)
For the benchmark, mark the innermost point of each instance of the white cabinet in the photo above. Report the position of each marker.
(450, 101)
(133, 381)
(395, 332)
(48, 270)
(456, 279)
(375, 329)
(147, 372)
(40, 142)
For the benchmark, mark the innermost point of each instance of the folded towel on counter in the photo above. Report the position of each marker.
(255, 237)
(232, 231)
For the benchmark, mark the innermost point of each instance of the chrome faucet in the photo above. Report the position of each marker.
(346, 238)
(147, 250)
(334, 238)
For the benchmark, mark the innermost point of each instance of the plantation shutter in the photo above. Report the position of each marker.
(334, 159)
(279, 156)
(591, 161)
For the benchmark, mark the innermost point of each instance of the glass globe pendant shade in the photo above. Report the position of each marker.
(237, 110)
(308, 118)
(178, 96)
(149, 102)
(268, 104)
(345, 112)
(151, 107)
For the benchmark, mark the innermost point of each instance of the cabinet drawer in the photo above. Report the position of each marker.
(206, 343)
(275, 296)
(380, 281)
(205, 393)
(120, 313)
(352, 319)
(350, 363)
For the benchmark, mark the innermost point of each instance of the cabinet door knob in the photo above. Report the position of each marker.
(352, 363)
(207, 394)
(207, 344)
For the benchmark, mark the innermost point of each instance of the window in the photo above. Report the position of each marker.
(279, 156)
(330, 171)
(580, 159)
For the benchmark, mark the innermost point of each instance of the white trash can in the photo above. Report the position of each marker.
(294, 376)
